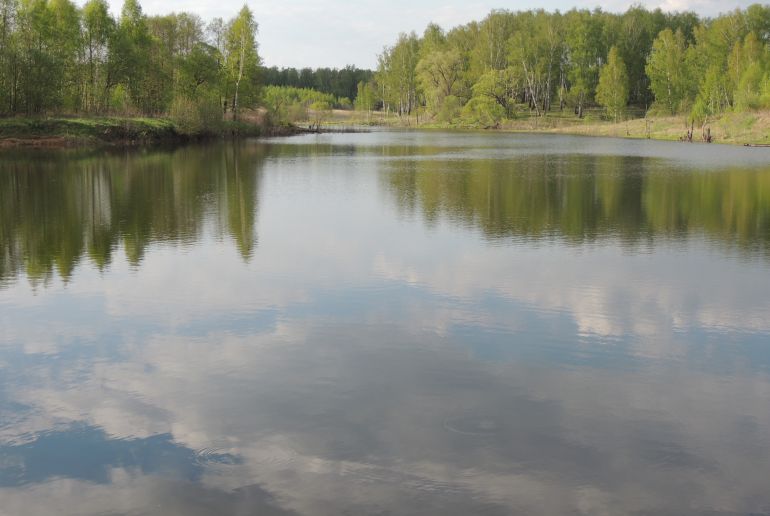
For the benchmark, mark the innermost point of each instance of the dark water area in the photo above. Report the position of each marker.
(404, 323)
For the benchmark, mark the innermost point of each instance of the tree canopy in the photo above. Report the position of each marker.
(535, 62)
(58, 57)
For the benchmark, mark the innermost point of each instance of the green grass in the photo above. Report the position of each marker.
(57, 131)
(108, 129)
(729, 128)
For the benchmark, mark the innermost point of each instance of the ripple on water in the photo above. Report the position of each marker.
(207, 456)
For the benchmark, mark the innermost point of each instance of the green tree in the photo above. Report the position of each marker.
(714, 95)
(439, 75)
(8, 55)
(365, 97)
(98, 27)
(585, 44)
(129, 51)
(397, 74)
(667, 70)
(536, 50)
(612, 91)
(242, 60)
(501, 87)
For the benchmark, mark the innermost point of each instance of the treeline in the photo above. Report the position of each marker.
(58, 57)
(538, 62)
(341, 83)
(288, 104)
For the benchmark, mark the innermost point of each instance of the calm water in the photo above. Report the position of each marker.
(386, 323)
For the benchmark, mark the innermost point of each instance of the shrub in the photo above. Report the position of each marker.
(450, 109)
(120, 101)
(196, 116)
(184, 113)
(482, 112)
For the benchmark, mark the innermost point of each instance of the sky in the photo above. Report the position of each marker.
(336, 33)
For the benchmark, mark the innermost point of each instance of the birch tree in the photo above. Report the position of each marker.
(241, 59)
(612, 92)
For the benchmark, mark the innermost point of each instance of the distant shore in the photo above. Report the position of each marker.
(732, 128)
(61, 132)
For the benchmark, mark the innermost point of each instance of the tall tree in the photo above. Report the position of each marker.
(130, 52)
(65, 32)
(439, 75)
(8, 68)
(586, 50)
(241, 59)
(668, 73)
(397, 74)
(612, 91)
(98, 27)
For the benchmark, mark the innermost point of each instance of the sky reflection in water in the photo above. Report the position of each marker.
(405, 323)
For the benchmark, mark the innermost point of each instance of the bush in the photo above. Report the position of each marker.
(297, 112)
(196, 116)
(120, 101)
(748, 94)
(450, 109)
(184, 113)
(210, 111)
(482, 112)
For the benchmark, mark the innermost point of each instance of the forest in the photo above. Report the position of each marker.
(538, 62)
(56, 57)
(59, 58)
(341, 83)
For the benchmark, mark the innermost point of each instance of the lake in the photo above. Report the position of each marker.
(401, 323)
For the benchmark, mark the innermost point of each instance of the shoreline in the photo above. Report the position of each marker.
(746, 129)
(83, 132)
(741, 129)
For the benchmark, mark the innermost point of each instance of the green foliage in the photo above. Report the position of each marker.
(450, 109)
(612, 91)
(198, 115)
(482, 112)
(584, 40)
(748, 66)
(670, 80)
(120, 101)
(287, 104)
(58, 58)
(342, 83)
(365, 96)
(439, 76)
(538, 61)
(241, 60)
(713, 97)
(184, 112)
(501, 86)
(397, 75)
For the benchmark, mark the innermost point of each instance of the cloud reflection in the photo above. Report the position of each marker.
(426, 364)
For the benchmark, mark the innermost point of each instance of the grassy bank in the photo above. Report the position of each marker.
(63, 132)
(731, 128)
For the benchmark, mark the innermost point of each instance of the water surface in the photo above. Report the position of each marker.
(386, 323)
